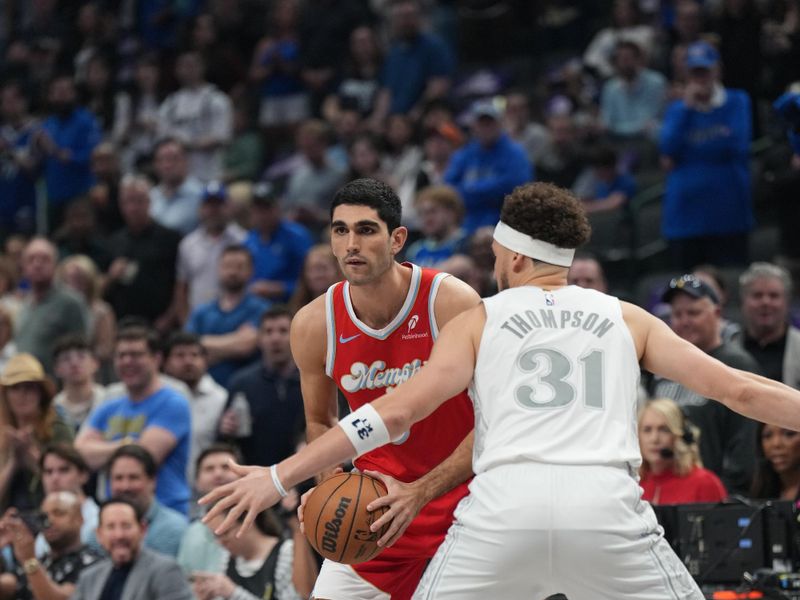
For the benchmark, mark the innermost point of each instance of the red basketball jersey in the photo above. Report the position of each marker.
(366, 363)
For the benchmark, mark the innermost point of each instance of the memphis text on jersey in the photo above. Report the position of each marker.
(363, 376)
(522, 323)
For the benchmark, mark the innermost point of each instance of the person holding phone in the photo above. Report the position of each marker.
(53, 576)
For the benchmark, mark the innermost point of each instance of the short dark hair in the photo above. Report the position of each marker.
(276, 311)
(182, 338)
(137, 453)
(71, 341)
(217, 448)
(372, 193)
(238, 249)
(136, 333)
(66, 453)
(137, 510)
(548, 213)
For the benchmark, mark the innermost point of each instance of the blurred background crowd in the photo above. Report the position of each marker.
(165, 173)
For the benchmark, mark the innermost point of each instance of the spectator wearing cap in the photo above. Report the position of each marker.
(418, 67)
(141, 278)
(487, 168)
(278, 246)
(49, 310)
(766, 290)
(441, 141)
(199, 252)
(28, 420)
(313, 183)
(175, 201)
(705, 146)
(227, 325)
(440, 211)
(632, 102)
(727, 439)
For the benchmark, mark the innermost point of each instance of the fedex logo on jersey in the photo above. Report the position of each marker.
(369, 377)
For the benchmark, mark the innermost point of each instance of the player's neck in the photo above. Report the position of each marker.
(377, 303)
(544, 277)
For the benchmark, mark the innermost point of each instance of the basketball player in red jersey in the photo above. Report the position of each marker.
(365, 336)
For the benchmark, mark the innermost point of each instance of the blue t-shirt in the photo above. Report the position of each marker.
(621, 183)
(281, 257)
(210, 319)
(167, 409)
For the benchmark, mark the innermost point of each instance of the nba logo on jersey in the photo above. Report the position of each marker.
(549, 299)
(412, 322)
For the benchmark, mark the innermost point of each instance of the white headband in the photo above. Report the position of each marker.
(537, 249)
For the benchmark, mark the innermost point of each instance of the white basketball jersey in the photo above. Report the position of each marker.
(556, 380)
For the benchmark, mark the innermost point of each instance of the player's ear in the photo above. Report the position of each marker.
(398, 239)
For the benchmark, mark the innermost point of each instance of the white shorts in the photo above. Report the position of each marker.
(532, 530)
(340, 582)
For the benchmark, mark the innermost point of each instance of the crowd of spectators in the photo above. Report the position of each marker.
(165, 174)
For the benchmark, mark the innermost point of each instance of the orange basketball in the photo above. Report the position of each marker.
(337, 521)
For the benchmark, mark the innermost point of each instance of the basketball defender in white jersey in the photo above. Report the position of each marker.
(555, 505)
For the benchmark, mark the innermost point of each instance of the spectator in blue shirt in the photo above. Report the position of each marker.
(228, 325)
(150, 415)
(705, 143)
(278, 246)
(631, 103)
(487, 168)
(605, 188)
(66, 140)
(17, 164)
(418, 67)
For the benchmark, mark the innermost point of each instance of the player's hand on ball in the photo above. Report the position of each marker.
(404, 500)
(304, 499)
(249, 495)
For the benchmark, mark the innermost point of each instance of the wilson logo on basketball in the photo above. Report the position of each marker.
(332, 527)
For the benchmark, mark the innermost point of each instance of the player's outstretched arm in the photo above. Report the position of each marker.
(665, 354)
(448, 371)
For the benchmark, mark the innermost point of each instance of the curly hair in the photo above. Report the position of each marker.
(548, 213)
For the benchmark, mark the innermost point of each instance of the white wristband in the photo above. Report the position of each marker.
(365, 429)
(273, 470)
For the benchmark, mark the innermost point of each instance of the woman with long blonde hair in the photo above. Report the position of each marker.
(671, 471)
